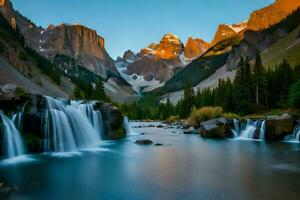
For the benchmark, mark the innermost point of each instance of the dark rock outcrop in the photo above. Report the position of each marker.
(278, 127)
(112, 120)
(33, 120)
(144, 142)
(11, 97)
(216, 128)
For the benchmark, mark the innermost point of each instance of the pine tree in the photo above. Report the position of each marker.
(187, 102)
(294, 95)
(99, 93)
(241, 90)
(259, 80)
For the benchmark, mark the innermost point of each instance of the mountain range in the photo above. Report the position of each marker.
(78, 53)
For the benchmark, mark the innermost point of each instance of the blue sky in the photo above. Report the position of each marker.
(133, 24)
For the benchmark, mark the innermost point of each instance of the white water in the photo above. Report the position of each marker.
(68, 128)
(236, 127)
(296, 134)
(250, 130)
(17, 120)
(262, 134)
(12, 142)
(127, 127)
(94, 117)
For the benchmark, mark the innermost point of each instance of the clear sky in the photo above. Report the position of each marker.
(133, 24)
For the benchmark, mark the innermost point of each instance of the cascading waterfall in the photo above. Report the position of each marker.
(251, 130)
(17, 119)
(236, 127)
(296, 133)
(262, 131)
(94, 117)
(68, 129)
(12, 142)
(127, 126)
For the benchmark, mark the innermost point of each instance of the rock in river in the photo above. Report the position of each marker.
(144, 142)
(216, 128)
(278, 127)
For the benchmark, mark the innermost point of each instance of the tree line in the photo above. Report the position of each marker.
(253, 90)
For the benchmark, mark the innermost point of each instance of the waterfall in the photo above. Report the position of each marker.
(12, 142)
(17, 120)
(262, 130)
(296, 133)
(251, 129)
(94, 117)
(236, 127)
(67, 128)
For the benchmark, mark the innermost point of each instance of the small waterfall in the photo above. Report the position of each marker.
(12, 142)
(251, 130)
(262, 131)
(236, 127)
(126, 126)
(296, 133)
(17, 119)
(94, 117)
(68, 129)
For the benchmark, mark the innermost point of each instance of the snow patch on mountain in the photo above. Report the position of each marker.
(137, 82)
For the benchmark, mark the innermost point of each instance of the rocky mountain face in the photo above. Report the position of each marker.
(226, 31)
(195, 48)
(75, 53)
(261, 41)
(279, 41)
(268, 16)
(169, 47)
(158, 61)
(75, 41)
(129, 56)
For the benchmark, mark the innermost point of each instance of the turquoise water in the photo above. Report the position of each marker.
(185, 167)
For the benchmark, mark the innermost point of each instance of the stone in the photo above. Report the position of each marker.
(144, 142)
(278, 127)
(112, 120)
(216, 128)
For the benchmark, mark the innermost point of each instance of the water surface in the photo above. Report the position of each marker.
(185, 167)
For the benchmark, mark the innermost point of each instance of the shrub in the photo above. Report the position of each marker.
(203, 114)
(231, 116)
(172, 119)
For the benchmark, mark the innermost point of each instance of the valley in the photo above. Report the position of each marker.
(170, 118)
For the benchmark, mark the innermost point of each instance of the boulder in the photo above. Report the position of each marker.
(112, 120)
(216, 128)
(278, 127)
(11, 97)
(33, 114)
(190, 130)
(144, 142)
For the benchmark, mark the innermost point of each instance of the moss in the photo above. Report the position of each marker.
(20, 92)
